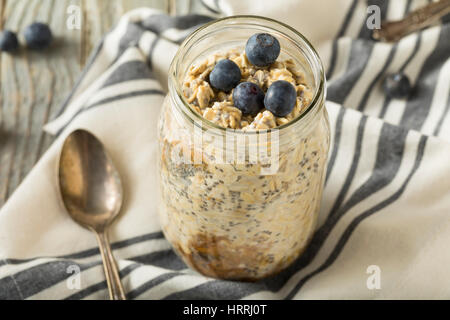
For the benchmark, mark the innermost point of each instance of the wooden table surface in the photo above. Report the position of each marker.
(33, 85)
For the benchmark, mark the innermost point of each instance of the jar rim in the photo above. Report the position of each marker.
(173, 71)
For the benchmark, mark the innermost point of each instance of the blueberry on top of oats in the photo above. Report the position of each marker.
(262, 49)
(281, 98)
(248, 97)
(225, 75)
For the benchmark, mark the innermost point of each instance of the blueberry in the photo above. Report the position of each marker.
(38, 36)
(281, 98)
(262, 49)
(8, 41)
(397, 85)
(225, 75)
(248, 97)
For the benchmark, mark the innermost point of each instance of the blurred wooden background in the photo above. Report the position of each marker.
(33, 85)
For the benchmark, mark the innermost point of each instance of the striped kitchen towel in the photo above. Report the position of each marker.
(384, 224)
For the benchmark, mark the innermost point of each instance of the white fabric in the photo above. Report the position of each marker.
(401, 225)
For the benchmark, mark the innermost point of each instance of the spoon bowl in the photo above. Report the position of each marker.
(92, 193)
(90, 184)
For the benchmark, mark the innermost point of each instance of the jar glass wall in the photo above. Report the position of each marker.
(236, 204)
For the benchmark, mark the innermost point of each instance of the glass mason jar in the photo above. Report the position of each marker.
(234, 204)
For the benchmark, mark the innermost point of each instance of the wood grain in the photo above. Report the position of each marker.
(33, 85)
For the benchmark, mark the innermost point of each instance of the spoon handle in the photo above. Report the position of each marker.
(416, 20)
(115, 288)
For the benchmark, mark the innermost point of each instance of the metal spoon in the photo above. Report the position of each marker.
(92, 194)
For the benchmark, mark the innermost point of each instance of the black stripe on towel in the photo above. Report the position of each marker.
(101, 285)
(109, 100)
(355, 222)
(151, 283)
(128, 71)
(93, 251)
(33, 280)
(388, 100)
(341, 33)
(378, 77)
(336, 142)
(417, 108)
(442, 118)
(166, 259)
(354, 165)
(209, 8)
(339, 85)
(161, 22)
(360, 53)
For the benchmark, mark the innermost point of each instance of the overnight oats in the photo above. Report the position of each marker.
(243, 139)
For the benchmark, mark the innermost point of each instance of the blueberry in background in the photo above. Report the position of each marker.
(38, 36)
(262, 49)
(225, 75)
(248, 97)
(8, 41)
(397, 85)
(281, 98)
